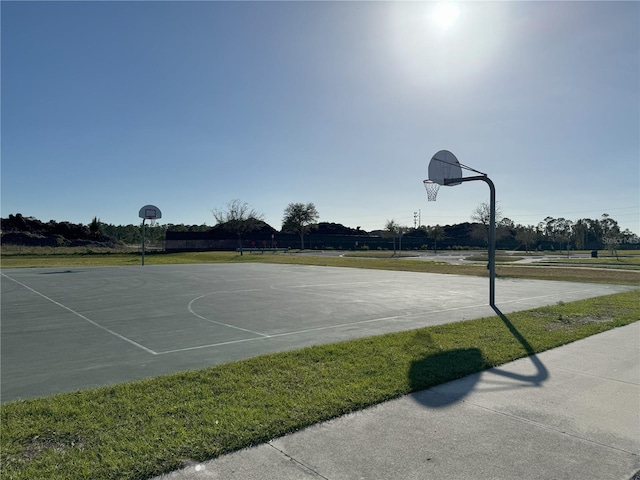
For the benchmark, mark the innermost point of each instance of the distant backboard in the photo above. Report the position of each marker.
(444, 166)
(150, 212)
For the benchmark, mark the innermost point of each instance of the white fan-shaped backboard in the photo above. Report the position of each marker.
(150, 212)
(444, 165)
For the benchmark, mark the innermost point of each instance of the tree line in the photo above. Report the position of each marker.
(549, 234)
(17, 229)
(237, 219)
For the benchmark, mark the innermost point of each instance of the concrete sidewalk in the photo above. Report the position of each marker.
(568, 413)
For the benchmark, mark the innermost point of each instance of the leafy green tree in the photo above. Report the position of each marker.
(436, 233)
(393, 230)
(527, 236)
(95, 226)
(611, 234)
(579, 234)
(594, 231)
(177, 228)
(559, 230)
(299, 218)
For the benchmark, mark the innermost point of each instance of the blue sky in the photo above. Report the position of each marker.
(108, 106)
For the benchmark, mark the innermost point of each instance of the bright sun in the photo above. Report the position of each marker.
(445, 14)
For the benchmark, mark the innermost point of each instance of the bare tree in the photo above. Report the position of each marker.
(482, 214)
(238, 217)
(299, 218)
(482, 217)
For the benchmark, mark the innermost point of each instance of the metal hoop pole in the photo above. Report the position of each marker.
(143, 220)
(492, 231)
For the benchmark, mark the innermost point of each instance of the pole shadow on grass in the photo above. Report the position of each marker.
(466, 365)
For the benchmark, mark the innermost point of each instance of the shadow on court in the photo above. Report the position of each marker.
(466, 362)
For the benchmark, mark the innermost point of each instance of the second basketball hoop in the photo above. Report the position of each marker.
(151, 213)
(432, 189)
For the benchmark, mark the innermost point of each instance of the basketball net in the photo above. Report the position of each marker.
(152, 222)
(432, 189)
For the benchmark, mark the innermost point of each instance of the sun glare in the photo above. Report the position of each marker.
(445, 14)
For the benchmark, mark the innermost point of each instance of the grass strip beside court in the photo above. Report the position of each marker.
(141, 429)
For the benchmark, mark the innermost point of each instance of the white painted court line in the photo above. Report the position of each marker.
(333, 284)
(95, 324)
(346, 296)
(326, 327)
(189, 307)
(341, 325)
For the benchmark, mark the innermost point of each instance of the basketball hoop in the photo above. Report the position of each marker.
(432, 189)
(151, 213)
(445, 169)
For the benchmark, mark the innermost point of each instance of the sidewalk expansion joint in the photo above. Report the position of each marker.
(298, 462)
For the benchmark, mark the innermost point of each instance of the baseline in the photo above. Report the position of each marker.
(83, 317)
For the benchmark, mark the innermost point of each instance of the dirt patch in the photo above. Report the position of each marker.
(568, 321)
(58, 443)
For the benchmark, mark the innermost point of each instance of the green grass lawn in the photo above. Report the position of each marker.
(141, 429)
(621, 261)
(499, 258)
(380, 254)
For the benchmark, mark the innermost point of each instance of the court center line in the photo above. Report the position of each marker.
(221, 323)
(315, 329)
(86, 319)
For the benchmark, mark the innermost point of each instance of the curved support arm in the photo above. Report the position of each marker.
(492, 231)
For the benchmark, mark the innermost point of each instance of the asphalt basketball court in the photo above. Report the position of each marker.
(72, 328)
